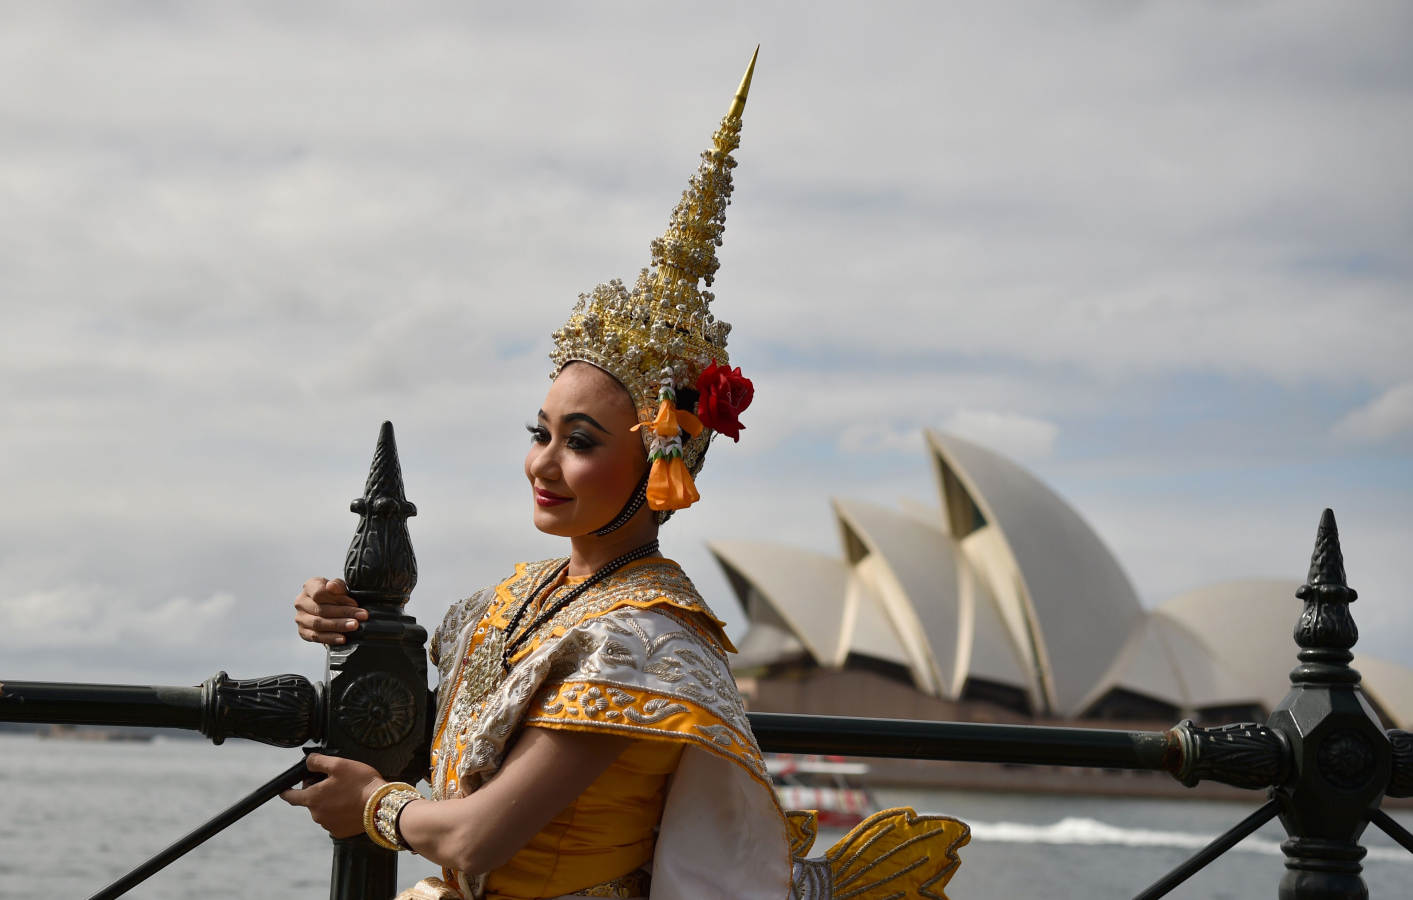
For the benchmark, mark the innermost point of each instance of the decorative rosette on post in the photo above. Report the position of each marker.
(660, 338)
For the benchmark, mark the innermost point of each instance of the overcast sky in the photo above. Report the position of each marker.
(1160, 254)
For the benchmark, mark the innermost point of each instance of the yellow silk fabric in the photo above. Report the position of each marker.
(605, 833)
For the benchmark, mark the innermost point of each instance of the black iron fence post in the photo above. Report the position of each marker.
(372, 705)
(1323, 754)
(1341, 757)
(377, 682)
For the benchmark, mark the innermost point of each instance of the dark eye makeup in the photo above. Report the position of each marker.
(580, 440)
(577, 440)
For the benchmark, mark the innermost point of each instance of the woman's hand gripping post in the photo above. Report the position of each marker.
(336, 802)
(324, 613)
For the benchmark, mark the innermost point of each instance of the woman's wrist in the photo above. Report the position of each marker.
(381, 811)
(397, 822)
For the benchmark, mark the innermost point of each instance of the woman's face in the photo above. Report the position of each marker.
(584, 462)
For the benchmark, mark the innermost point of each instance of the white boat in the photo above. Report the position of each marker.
(830, 785)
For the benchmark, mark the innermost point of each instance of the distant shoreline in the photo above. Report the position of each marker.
(98, 733)
(1061, 780)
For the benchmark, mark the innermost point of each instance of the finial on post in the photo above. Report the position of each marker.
(380, 566)
(377, 685)
(1327, 564)
(1341, 759)
(738, 102)
(1326, 629)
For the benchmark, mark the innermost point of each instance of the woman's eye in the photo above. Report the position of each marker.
(577, 441)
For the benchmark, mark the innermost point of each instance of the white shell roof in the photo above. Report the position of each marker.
(1164, 660)
(766, 643)
(946, 619)
(869, 629)
(1247, 624)
(1391, 687)
(1024, 594)
(985, 649)
(1079, 606)
(913, 574)
(806, 590)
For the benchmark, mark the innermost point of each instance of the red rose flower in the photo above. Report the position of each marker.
(723, 393)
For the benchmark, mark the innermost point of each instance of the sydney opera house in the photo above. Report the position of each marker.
(1006, 604)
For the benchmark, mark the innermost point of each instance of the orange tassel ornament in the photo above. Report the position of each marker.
(670, 484)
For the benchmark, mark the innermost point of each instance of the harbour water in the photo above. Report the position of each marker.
(76, 815)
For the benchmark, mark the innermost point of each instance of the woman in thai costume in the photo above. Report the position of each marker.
(590, 740)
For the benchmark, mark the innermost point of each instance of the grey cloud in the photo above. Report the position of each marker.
(1387, 415)
(238, 237)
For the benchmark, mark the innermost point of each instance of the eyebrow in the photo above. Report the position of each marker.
(578, 417)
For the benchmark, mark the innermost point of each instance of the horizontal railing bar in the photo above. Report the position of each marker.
(58, 703)
(965, 741)
(181, 707)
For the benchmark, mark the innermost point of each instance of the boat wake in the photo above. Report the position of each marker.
(1077, 830)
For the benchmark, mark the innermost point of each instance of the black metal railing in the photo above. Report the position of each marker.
(1322, 758)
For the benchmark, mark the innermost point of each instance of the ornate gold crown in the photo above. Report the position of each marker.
(662, 333)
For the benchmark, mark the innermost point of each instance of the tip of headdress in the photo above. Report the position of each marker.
(738, 102)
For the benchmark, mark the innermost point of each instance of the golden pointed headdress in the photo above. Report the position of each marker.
(659, 337)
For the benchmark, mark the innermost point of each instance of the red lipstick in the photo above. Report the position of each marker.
(545, 498)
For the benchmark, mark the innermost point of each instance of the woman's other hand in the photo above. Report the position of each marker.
(324, 612)
(337, 802)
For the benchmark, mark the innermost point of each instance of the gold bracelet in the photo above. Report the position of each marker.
(370, 811)
(385, 819)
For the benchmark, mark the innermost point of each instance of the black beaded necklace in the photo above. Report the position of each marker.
(614, 565)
